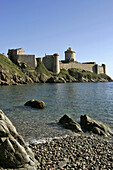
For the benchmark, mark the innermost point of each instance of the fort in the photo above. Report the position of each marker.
(18, 55)
(52, 62)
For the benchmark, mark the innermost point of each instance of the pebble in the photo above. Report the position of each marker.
(75, 152)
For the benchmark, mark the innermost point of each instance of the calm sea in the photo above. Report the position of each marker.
(74, 99)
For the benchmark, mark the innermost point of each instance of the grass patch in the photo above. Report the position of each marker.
(9, 66)
(105, 77)
(42, 69)
(65, 74)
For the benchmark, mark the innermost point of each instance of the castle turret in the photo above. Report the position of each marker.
(70, 55)
(104, 68)
(56, 68)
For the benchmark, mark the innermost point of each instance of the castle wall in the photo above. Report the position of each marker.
(12, 55)
(95, 68)
(19, 54)
(51, 62)
(101, 70)
(87, 67)
(48, 61)
(29, 59)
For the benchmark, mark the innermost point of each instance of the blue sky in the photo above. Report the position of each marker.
(50, 26)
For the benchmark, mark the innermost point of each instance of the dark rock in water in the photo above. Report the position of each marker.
(13, 151)
(35, 104)
(96, 127)
(69, 123)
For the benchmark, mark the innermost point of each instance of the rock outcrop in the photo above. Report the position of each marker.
(35, 104)
(69, 123)
(13, 151)
(56, 80)
(88, 124)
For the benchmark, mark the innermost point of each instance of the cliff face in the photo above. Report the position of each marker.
(11, 74)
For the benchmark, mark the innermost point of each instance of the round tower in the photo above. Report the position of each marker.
(70, 55)
(56, 68)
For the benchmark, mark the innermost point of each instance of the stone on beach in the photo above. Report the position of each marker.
(13, 151)
(69, 123)
(86, 124)
(96, 127)
(35, 104)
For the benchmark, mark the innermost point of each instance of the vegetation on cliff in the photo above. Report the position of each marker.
(11, 74)
(7, 65)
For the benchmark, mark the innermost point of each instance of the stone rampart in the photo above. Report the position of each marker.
(48, 62)
(83, 66)
(100, 70)
(51, 62)
(16, 55)
(88, 67)
(29, 59)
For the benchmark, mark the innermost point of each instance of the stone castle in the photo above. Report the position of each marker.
(53, 63)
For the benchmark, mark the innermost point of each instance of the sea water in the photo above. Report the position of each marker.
(73, 99)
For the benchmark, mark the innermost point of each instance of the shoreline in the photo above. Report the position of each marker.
(78, 152)
(82, 151)
(4, 83)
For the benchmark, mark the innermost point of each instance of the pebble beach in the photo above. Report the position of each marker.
(75, 152)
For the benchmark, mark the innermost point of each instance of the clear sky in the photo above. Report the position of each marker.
(51, 26)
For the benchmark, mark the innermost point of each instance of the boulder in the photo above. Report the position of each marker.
(13, 151)
(35, 104)
(88, 124)
(69, 123)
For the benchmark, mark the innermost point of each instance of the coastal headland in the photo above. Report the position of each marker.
(22, 73)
